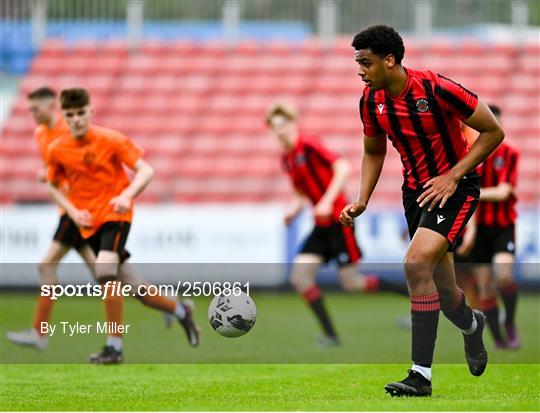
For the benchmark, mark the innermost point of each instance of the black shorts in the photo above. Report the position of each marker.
(111, 236)
(448, 221)
(67, 233)
(490, 241)
(333, 242)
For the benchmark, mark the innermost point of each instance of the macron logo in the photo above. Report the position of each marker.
(440, 219)
(380, 106)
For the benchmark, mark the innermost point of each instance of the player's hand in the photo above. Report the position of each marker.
(467, 244)
(82, 218)
(41, 175)
(289, 217)
(437, 191)
(350, 212)
(121, 203)
(323, 210)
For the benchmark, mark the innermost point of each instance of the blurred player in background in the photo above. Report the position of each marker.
(492, 241)
(100, 202)
(319, 176)
(420, 112)
(50, 126)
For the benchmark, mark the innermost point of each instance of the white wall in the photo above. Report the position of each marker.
(165, 238)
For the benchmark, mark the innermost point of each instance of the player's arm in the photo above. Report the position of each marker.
(81, 217)
(296, 205)
(372, 164)
(341, 170)
(442, 187)
(143, 174)
(490, 136)
(55, 173)
(41, 174)
(499, 193)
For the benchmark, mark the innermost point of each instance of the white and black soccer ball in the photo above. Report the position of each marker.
(232, 315)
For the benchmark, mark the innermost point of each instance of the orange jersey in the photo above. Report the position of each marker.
(93, 168)
(44, 136)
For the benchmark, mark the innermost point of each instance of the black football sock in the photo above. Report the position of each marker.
(458, 312)
(509, 298)
(375, 283)
(425, 320)
(491, 310)
(313, 297)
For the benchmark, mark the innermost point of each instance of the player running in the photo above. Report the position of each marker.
(492, 241)
(42, 106)
(420, 112)
(318, 175)
(100, 201)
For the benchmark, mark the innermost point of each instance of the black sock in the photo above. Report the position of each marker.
(491, 310)
(425, 320)
(375, 283)
(509, 298)
(314, 298)
(459, 313)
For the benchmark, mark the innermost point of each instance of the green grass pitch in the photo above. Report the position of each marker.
(275, 367)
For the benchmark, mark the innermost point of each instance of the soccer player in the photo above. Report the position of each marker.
(318, 175)
(42, 106)
(493, 240)
(420, 112)
(100, 201)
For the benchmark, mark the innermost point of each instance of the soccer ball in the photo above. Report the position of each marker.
(232, 315)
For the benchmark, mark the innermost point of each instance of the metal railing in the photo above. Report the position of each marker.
(325, 18)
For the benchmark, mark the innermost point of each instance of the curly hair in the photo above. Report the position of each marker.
(381, 40)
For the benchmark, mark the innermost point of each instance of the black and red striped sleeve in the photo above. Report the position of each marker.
(454, 98)
(372, 128)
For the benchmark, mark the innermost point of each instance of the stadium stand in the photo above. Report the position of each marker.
(197, 109)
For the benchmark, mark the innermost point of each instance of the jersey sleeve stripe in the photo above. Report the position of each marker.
(472, 94)
(455, 101)
(371, 110)
(361, 108)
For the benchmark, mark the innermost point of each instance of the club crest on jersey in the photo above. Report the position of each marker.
(422, 105)
(88, 158)
(300, 159)
(498, 162)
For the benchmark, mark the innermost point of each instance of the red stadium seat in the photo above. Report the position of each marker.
(198, 109)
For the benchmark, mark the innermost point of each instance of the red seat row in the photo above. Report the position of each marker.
(198, 109)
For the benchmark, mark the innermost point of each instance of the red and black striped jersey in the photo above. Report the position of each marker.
(309, 165)
(423, 123)
(500, 166)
